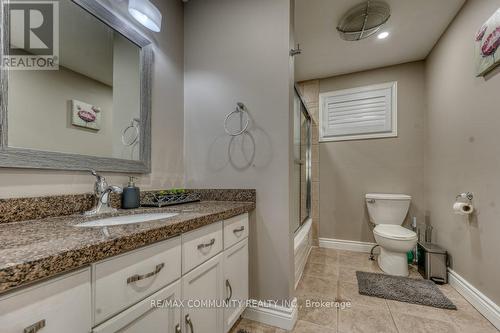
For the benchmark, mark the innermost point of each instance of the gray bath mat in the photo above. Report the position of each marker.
(403, 289)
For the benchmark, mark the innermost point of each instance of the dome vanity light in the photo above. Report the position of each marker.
(388, 212)
(145, 13)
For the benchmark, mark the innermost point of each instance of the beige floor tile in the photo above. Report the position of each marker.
(365, 320)
(323, 260)
(468, 319)
(420, 310)
(414, 274)
(326, 270)
(349, 292)
(473, 327)
(323, 256)
(451, 293)
(354, 259)
(348, 274)
(307, 327)
(324, 252)
(253, 327)
(413, 324)
(331, 274)
(372, 266)
(316, 312)
(312, 286)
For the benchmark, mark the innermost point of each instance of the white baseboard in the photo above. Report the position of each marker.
(340, 244)
(273, 315)
(483, 304)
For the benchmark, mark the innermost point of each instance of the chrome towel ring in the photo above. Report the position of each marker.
(241, 110)
(133, 131)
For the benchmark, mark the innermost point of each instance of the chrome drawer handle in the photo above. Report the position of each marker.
(138, 277)
(35, 327)
(202, 246)
(228, 285)
(190, 323)
(240, 229)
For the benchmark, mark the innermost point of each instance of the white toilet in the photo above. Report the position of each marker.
(388, 212)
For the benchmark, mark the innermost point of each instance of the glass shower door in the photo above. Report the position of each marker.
(301, 186)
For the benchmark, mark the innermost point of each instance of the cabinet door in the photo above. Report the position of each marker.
(203, 284)
(236, 282)
(60, 305)
(159, 313)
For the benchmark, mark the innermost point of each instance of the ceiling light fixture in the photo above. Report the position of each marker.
(383, 35)
(364, 20)
(145, 13)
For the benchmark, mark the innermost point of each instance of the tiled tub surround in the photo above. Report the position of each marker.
(22, 209)
(37, 249)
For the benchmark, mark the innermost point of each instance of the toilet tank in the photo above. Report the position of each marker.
(387, 208)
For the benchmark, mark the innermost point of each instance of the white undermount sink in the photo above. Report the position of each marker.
(127, 219)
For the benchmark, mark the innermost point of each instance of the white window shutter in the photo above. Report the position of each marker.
(359, 113)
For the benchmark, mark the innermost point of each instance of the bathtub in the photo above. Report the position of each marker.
(302, 247)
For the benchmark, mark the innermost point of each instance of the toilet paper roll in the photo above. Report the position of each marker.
(463, 208)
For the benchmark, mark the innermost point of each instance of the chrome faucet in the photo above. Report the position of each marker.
(101, 192)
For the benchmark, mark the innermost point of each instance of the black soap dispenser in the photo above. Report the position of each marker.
(131, 195)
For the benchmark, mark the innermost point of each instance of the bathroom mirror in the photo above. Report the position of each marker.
(89, 110)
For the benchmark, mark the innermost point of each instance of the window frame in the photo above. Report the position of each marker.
(374, 135)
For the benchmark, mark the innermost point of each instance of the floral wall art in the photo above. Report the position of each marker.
(85, 115)
(487, 45)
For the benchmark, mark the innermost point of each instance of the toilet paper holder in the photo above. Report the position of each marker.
(465, 196)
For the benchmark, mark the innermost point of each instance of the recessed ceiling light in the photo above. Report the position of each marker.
(383, 35)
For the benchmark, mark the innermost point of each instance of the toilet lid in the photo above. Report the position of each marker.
(394, 231)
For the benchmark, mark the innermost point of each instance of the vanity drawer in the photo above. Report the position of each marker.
(235, 229)
(59, 305)
(200, 245)
(122, 281)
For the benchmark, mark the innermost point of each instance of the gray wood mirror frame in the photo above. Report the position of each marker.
(39, 159)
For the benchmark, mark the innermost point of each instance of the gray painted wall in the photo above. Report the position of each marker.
(167, 120)
(462, 150)
(40, 113)
(350, 169)
(237, 50)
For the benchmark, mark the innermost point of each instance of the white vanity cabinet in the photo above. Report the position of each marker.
(235, 230)
(121, 281)
(60, 305)
(235, 282)
(142, 291)
(200, 245)
(152, 315)
(204, 284)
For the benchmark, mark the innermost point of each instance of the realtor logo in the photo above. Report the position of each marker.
(33, 35)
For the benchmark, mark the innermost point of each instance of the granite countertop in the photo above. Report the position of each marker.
(38, 249)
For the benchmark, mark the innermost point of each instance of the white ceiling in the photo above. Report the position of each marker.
(414, 26)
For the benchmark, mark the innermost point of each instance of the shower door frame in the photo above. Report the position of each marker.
(308, 160)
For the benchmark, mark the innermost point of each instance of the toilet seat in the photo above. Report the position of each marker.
(394, 232)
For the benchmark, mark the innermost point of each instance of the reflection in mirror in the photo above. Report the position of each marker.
(91, 105)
